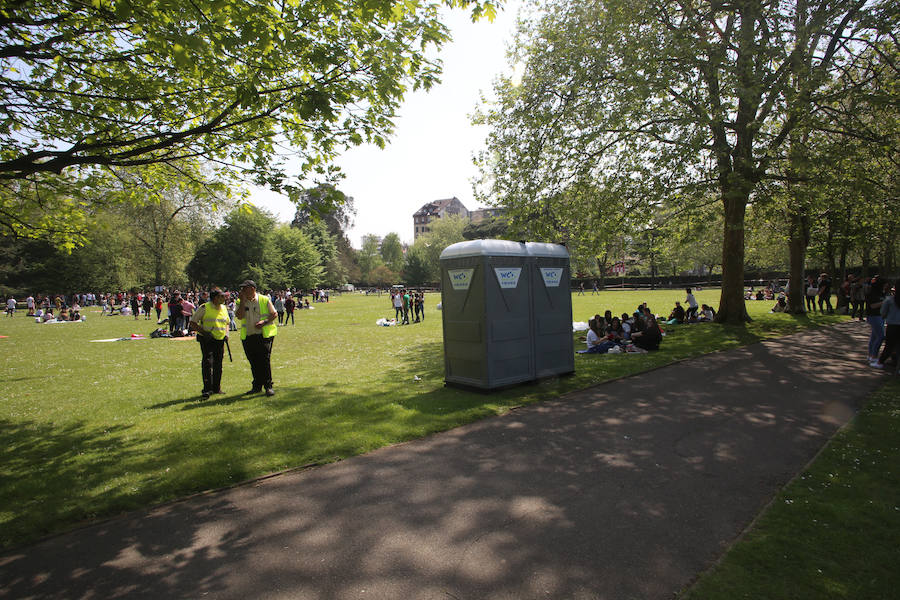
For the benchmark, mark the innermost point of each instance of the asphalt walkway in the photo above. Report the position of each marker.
(626, 490)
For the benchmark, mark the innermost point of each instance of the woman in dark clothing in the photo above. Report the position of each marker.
(289, 305)
(874, 299)
(650, 337)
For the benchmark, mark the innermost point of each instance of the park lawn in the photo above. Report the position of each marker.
(89, 430)
(832, 532)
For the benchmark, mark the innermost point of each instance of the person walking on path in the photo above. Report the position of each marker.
(824, 285)
(210, 321)
(257, 316)
(890, 312)
(874, 299)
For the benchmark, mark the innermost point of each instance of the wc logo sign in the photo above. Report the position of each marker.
(460, 279)
(508, 277)
(552, 276)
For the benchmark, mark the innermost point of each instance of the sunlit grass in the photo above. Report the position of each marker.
(92, 429)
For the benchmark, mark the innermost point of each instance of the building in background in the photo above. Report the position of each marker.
(436, 210)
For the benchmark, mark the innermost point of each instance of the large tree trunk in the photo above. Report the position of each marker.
(731, 303)
(797, 245)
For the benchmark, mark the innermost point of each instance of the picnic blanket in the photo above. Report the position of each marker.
(134, 336)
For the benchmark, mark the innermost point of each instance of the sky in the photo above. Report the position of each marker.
(429, 157)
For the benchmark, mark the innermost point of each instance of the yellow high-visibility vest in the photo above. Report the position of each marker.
(268, 330)
(215, 320)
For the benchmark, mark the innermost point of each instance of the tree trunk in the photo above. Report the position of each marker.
(845, 242)
(731, 303)
(887, 262)
(797, 245)
(601, 268)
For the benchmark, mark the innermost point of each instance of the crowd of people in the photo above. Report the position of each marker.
(173, 308)
(406, 302)
(872, 300)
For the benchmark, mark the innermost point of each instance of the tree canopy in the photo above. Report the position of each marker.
(132, 82)
(655, 101)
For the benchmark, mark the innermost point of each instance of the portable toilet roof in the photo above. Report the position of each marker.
(484, 248)
(545, 250)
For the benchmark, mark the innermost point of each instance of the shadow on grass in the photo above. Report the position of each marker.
(42, 466)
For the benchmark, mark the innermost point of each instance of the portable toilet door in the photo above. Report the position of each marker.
(486, 312)
(554, 351)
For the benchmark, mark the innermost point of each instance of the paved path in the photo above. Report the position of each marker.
(626, 490)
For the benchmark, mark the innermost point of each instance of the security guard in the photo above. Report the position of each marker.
(257, 316)
(210, 321)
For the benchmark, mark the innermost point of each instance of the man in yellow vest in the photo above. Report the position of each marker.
(210, 321)
(257, 315)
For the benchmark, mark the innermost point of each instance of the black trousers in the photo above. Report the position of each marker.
(212, 351)
(891, 342)
(259, 353)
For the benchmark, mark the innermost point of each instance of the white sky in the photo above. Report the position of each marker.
(430, 154)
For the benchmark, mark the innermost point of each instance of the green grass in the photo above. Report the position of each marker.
(88, 430)
(832, 532)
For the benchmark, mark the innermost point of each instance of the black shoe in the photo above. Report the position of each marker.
(270, 392)
(254, 390)
(204, 395)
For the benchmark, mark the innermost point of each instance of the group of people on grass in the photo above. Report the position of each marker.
(405, 302)
(46, 311)
(640, 332)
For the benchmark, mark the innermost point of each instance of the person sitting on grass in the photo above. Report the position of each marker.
(75, 312)
(677, 314)
(707, 313)
(650, 337)
(637, 322)
(626, 326)
(780, 304)
(616, 332)
(598, 342)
